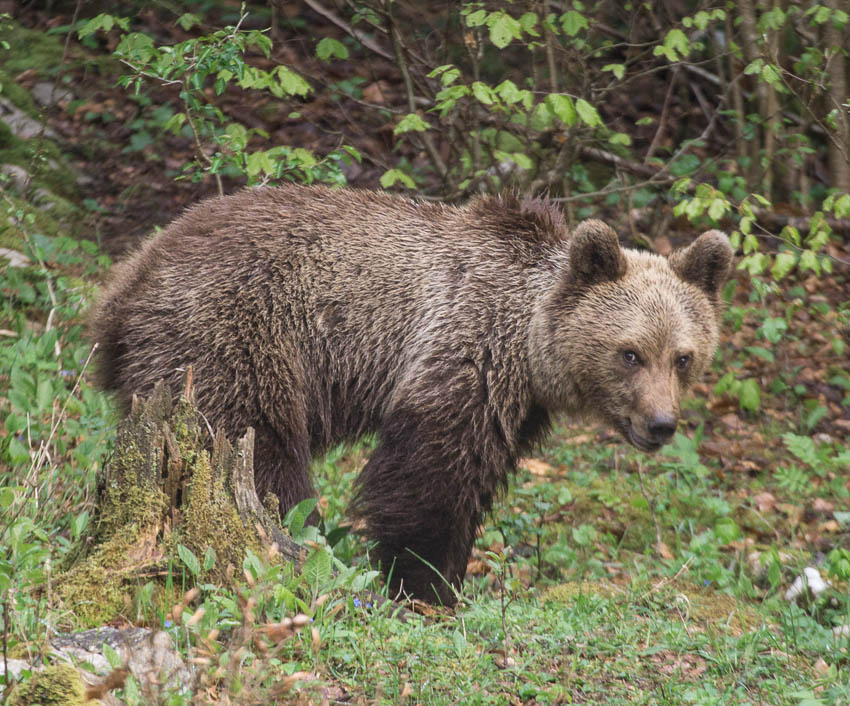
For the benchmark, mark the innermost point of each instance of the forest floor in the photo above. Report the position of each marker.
(604, 576)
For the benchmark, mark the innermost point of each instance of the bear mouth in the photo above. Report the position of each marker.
(639, 441)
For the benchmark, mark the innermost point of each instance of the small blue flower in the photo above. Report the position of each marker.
(706, 582)
(368, 605)
(167, 624)
(357, 603)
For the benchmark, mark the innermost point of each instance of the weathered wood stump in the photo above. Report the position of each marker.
(167, 485)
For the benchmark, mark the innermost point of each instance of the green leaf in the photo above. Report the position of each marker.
(773, 329)
(573, 22)
(187, 20)
(209, 558)
(297, 517)
(44, 397)
(619, 70)
(174, 123)
(189, 559)
(391, 176)
(79, 524)
(328, 48)
(717, 208)
(620, 138)
(291, 83)
(675, 46)
(503, 28)
(304, 158)
(103, 22)
(519, 158)
(809, 261)
(542, 117)
(588, 114)
(260, 161)
(783, 263)
(563, 108)
(7, 497)
(318, 568)
(112, 656)
(749, 396)
(771, 75)
(476, 19)
(237, 136)
(803, 447)
(507, 90)
(762, 353)
(482, 92)
(726, 530)
(842, 206)
(528, 22)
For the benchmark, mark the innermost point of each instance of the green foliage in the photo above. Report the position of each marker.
(55, 425)
(214, 62)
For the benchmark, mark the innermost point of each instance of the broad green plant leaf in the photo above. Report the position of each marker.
(328, 49)
(189, 559)
(410, 123)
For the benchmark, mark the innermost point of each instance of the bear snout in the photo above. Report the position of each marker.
(652, 432)
(661, 427)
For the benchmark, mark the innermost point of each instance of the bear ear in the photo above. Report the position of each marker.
(595, 255)
(706, 262)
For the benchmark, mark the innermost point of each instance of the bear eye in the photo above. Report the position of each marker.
(683, 362)
(631, 357)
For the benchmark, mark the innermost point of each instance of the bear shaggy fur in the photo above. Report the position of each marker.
(317, 315)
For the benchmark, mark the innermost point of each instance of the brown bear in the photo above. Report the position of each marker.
(455, 332)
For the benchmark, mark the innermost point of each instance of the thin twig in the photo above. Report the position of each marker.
(361, 37)
(436, 160)
(662, 121)
(70, 31)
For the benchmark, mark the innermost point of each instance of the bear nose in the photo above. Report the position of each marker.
(662, 427)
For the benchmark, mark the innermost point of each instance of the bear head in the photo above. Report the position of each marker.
(622, 334)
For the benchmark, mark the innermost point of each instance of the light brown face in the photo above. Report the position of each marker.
(666, 339)
(633, 331)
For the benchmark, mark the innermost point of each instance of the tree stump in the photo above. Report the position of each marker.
(165, 486)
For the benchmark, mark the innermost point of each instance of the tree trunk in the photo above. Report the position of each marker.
(839, 146)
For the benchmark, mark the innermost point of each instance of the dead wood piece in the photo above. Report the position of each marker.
(165, 487)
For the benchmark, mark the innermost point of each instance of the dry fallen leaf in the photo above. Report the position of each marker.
(536, 467)
(764, 501)
(822, 505)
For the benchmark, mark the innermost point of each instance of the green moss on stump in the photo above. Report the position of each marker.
(161, 489)
(56, 685)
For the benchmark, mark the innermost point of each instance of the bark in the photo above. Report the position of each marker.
(839, 146)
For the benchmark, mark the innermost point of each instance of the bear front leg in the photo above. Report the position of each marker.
(423, 495)
(282, 469)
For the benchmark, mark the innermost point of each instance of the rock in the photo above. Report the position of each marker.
(47, 94)
(15, 258)
(148, 654)
(18, 176)
(21, 124)
(15, 666)
(810, 579)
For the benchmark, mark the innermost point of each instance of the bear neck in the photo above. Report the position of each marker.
(551, 372)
